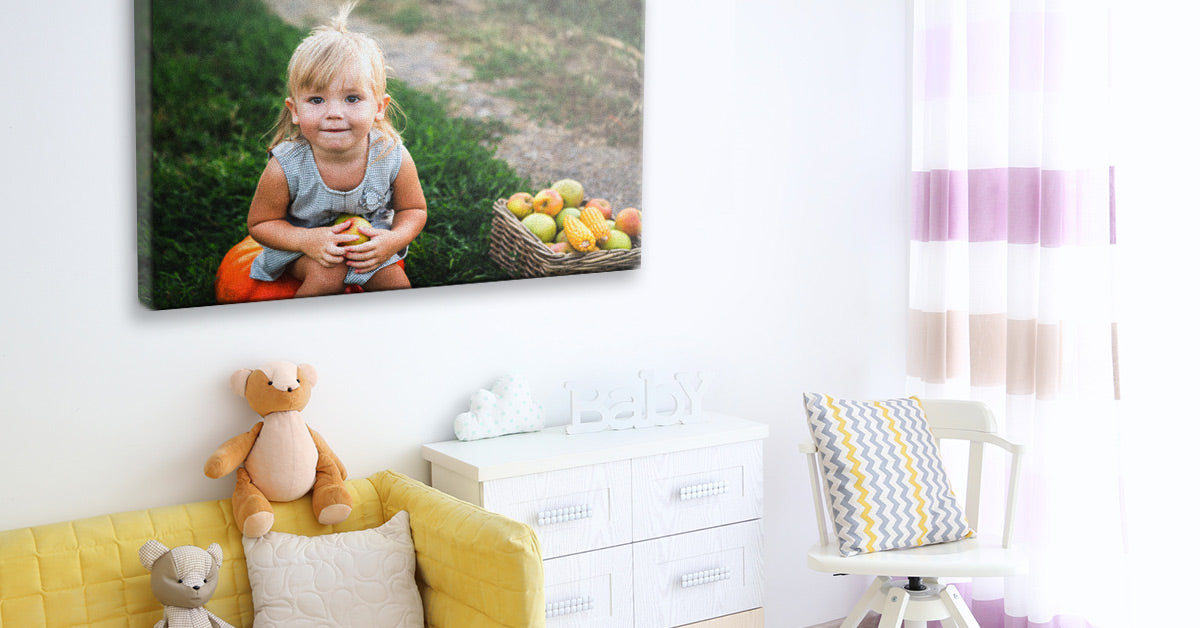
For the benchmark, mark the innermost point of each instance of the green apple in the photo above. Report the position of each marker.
(541, 225)
(616, 240)
(571, 191)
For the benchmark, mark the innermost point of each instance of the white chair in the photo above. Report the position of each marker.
(918, 596)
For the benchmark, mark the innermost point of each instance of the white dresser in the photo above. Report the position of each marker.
(648, 527)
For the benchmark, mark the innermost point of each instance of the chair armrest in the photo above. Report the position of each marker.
(475, 568)
(982, 437)
(1016, 452)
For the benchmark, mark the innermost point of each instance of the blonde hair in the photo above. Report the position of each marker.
(328, 51)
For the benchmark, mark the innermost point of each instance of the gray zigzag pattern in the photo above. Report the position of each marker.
(946, 524)
(835, 469)
(882, 467)
(888, 484)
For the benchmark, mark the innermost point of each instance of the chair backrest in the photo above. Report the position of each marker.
(970, 421)
(949, 419)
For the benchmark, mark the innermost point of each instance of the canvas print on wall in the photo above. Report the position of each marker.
(294, 148)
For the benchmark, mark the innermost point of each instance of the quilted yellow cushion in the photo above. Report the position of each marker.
(496, 558)
(475, 569)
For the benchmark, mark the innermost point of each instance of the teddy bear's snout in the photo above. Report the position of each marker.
(289, 388)
(194, 580)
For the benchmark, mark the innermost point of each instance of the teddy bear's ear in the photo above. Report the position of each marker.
(214, 550)
(310, 374)
(151, 552)
(237, 381)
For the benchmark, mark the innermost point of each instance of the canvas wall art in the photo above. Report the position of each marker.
(295, 148)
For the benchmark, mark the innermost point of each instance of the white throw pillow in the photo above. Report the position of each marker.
(363, 579)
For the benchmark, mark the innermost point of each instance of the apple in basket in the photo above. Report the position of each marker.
(570, 190)
(548, 202)
(541, 225)
(520, 204)
(616, 240)
(629, 220)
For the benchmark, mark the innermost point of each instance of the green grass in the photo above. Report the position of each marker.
(404, 15)
(621, 19)
(217, 82)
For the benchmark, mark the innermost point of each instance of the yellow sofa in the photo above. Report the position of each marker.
(475, 569)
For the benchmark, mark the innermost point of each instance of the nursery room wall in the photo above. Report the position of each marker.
(774, 185)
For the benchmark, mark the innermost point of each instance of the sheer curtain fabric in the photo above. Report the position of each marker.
(1011, 276)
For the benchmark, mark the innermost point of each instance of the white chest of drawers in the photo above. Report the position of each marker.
(649, 527)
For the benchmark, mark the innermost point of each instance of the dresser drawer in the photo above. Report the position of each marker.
(689, 577)
(695, 489)
(590, 590)
(572, 510)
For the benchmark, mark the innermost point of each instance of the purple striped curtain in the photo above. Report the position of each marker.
(1011, 277)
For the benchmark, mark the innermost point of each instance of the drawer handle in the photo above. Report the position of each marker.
(567, 607)
(563, 515)
(707, 576)
(707, 489)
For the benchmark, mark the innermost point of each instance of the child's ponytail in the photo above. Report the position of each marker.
(341, 20)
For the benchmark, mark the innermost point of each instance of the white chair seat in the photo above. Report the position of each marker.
(969, 558)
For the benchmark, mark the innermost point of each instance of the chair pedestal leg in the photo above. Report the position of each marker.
(870, 599)
(957, 608)
(893, 608)
(900, 608)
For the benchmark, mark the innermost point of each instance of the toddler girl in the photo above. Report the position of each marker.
(335, 152)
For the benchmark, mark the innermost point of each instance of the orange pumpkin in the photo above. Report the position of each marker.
(234, 284)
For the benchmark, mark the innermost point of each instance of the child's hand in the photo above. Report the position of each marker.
(324, 244)
(372, 254)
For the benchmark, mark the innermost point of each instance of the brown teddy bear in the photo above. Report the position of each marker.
(183, 579)
(280, 459)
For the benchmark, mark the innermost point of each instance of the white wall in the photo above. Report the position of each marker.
(1158, 220)
(775, 199)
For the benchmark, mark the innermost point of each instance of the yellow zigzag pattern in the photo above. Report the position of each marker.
(916, 489)
(855, 470)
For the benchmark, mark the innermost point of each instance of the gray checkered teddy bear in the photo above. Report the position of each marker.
(183, 579)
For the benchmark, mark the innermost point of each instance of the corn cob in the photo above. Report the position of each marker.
(578, 235)
(595, 222)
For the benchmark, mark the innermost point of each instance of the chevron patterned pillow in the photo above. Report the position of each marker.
(884, 477)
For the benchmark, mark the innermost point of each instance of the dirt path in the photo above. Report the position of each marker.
(542, 152)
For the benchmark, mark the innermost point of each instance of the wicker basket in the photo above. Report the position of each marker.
(522, 254)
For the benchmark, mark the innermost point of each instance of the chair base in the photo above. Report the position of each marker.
(898, 606)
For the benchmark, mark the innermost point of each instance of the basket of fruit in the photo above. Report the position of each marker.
(557, 232)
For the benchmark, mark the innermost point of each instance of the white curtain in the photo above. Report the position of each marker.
(1011, 287)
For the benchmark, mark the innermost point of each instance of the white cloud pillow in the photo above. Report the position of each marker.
(363, 578)
(508, 408)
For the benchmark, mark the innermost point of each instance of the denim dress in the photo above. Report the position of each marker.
(314, 204)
